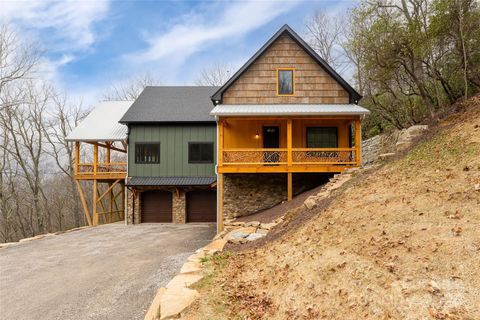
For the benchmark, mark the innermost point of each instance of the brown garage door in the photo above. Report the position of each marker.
(156, 206)
(202, 206)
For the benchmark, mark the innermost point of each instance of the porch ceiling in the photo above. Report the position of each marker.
(289, 110)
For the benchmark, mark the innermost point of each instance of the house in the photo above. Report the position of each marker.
(284, 117)
(283, 123)
(171, 156)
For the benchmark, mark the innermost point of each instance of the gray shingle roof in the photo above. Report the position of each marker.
(171, 104)
(170, 181)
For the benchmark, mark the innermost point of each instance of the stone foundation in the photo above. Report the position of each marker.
(245, 194)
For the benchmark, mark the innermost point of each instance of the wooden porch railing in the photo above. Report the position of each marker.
(102, 168)
(298, 156)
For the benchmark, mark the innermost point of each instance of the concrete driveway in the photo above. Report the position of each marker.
(108, 272)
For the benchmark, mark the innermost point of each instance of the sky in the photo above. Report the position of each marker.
(88, 46)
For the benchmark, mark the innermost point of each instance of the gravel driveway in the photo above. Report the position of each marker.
(108, 272)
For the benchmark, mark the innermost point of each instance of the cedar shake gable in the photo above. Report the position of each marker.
(315, 81)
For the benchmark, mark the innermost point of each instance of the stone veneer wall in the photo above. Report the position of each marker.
(244, 194)
(178, 205)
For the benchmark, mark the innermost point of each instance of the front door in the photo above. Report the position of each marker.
(271, 137)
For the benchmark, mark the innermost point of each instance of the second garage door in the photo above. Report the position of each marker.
(156, 206)
(202, 206)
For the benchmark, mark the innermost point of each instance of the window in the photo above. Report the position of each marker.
(285, 82)
(147, 152)
(200, 152)
(322, 137)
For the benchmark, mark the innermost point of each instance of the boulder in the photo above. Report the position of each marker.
(191, 267)
(261, 231)
(385, 156)
(254, 236)
(310, 203)
(252, 224)
(240, 233)
(153, 311)
(175, 300)
(403, 145)
(184, 280)
(212, 247)
(267, 226)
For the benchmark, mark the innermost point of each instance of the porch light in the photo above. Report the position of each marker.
(257, 136)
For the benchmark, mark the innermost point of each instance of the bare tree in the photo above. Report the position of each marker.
(325, 35)
(131, 89)
(24, 125)
(215, 75)
(64, 117)
(18, 61)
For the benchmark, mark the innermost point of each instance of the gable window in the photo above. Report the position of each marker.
(147, 152)
(200, 152)
(285, 81)
(322, 137)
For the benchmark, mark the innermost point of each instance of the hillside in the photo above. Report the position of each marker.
(400, 241)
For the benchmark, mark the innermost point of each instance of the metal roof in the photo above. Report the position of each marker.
(170, 181)
(354, 95)
(171, 104)
(101, 124)
(288, 109)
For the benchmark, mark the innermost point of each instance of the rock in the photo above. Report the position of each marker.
(267, 226)
(196, 257)
(262, 231)
(310, 203)
(238, 240)
(476, 187)
(385, 156)
(175, 300)
(184, 280)
(433, 287)
(252, 224)
(254, 236)
(278, 220)
(403, 145)
(240, 233)
(214, 246)
(415, 131)
(310, 285)
(154, 310)
(191, 267)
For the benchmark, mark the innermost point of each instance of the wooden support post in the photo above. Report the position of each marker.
(107, 154)
(104, 210)
(95, 158)
(123, 201)
(110, 205)
(289, 186)
(219, 202)
(220, 142)
(84, 203)
(94, 211)
(77, 155)
(358, 141)
(289, 141)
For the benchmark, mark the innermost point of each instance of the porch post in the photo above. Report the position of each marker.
(77, 156)
(289, 159)
(358, 141)
(95, 158)
(220, 142)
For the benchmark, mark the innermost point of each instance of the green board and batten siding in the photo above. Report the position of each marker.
(174, 141)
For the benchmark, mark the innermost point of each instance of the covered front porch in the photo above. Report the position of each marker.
(288, 144)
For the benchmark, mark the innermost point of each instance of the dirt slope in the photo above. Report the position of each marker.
(401, 242)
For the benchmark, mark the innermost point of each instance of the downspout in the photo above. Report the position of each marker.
(216, 172)
(126, 198)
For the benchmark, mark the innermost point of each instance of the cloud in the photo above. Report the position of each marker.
(62, 25)
(185, 38)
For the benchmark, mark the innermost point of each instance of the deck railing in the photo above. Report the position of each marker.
(102, 168)
(298, 156)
